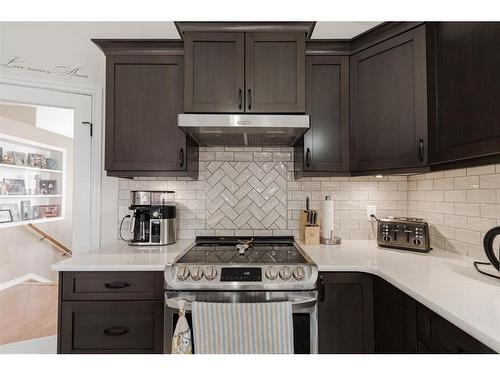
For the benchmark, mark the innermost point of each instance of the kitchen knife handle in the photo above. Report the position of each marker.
(249, 98)
(239, 99)
(308, 157)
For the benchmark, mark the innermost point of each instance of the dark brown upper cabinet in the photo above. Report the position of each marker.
(215, 76)
(144, 95)
(275, 64)
(467, 79)
(324, 150)
(389, 105)
(261, 72)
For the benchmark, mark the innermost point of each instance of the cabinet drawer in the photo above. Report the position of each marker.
(94, 286)
(438, 335)
(111, 327)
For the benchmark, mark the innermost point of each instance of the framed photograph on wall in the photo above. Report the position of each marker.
(5, 216)
(13, 208)
(14, 186)
(45, 211)
(20, 158)
(8, 157)
(26, 211)
(47, 187)
(37, 161)
(51, 163)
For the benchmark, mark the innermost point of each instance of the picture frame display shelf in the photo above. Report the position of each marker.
(32, 182)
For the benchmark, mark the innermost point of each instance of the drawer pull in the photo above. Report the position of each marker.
(116, 331)
(117, 285)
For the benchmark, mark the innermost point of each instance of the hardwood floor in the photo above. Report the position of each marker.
(28, 311)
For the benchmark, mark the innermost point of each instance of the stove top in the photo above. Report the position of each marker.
(275, 263)
(262, 250)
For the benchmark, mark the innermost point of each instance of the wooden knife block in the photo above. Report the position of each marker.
(308, 235)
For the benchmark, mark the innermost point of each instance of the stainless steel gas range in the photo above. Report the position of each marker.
(245, 270)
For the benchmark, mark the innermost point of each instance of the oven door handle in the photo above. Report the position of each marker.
(297, 305)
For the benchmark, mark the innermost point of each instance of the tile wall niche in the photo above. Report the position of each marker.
(251, 191)
(460, 206)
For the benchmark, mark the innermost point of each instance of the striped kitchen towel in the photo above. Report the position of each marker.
(242, 328)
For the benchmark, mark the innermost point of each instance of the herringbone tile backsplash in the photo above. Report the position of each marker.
(246, 195)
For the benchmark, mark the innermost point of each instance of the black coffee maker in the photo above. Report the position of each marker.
(153, 220)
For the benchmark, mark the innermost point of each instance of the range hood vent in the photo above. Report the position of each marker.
(244, 130)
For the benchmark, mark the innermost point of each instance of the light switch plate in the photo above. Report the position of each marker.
(371, 210)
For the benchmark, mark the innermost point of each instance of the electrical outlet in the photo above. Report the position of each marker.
(371, 210)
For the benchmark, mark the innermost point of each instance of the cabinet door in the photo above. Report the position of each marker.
(143, 99)
(214, 79)
(389, 104)
(275, 72)
(345, 313)
(437, 335)
(326, 144)
(395, 320)
(111, 327)
(468, 90)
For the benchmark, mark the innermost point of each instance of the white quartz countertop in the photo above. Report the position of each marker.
(119, 256)
(444, 282)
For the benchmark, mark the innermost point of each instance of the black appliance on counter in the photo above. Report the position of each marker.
(405, 233)
(488, 243)
(153, 219)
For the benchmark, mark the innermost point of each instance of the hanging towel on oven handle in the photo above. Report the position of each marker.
(181, 340)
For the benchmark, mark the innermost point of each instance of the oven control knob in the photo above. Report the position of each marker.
(285, 273)
(299, 273)
(417, 241)
(210, 273)
(387, 238)
(271, 273)
(183, 273)
(196, 273)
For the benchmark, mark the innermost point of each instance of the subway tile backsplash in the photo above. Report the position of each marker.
(460, 205)
(251, 191)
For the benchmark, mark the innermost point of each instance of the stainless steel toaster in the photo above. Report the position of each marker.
(406, 233)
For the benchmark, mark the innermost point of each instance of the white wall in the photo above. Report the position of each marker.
(45, 47)
(21, 252)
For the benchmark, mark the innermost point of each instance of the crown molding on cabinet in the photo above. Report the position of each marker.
(217, 26)
(140, 46)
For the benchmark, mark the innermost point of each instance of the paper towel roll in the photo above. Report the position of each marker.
(327, 220)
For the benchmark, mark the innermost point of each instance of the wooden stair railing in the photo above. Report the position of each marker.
(58, 245)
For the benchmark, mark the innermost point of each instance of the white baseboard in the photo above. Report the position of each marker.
(42, 345)
(23, 279)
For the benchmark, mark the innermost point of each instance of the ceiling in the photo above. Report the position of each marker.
(341, 30)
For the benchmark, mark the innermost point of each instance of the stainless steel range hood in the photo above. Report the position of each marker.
(244, 130)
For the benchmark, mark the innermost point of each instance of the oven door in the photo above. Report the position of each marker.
(304, 310)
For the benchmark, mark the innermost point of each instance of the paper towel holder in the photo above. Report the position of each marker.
(332, 240)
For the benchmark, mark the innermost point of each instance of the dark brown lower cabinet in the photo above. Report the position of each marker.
(111, 312)
(395, 319)
(437, 335)
(111, 327)
(345, 313)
